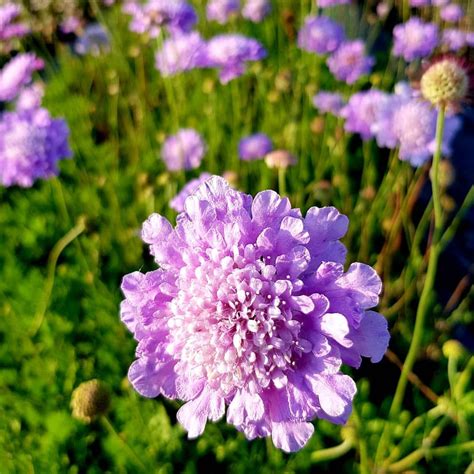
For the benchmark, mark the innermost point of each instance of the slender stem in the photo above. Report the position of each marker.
(282, 181)
(425, 298)
(332, 453)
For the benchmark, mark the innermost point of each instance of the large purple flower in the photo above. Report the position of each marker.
(16, 74)
(177, 203)
(256, 10)
(175, 15)
(230, 52)
(320, 35)
(183, 151)
(251, 308)
(222, 10)
(181, 52)
(414, 39)
(254, 147)
(31, 144)
(349, 62)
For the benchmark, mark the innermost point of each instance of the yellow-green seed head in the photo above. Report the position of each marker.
(453, 348)
(444, 82)
(90, 400)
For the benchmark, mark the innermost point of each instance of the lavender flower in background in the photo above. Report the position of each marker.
(451, 13)
(256, 10)
(222, 10)
(453, 39)
(349, 62)
(362, 110)
(94, 40)
(251, 308)
(183, 151)
(328, 102)
(415, 39)
(414, 125)
(439, 3)
(470, 38)
(332, 3)
(9, 13)
(230, 52)
(30, 97)
(31, 144)
(181, 52)
(254, 147)
(177, 16)
(177, 203)
(419, 3)
(71, 24)
(17, 73)
(383, 9)
(320, 35)
(280, 159)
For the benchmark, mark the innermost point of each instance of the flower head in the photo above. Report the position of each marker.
(328, 102)
(251, 308)
(183, 151)
(451, 13)
(9, 29)
(181, 52)
(419, 3)
(254, 147)
(177, 203)
(230, 52)
(31, 144)
(94, 40)
(17, 73)
(320, 35)
(30, 97)
(256, 10)
(415, 39)
(222, 10)
(349, 62)
(280, 159)
(90, 400)
(332, 3)
(453, 39)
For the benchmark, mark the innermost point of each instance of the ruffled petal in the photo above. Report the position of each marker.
(291, 436)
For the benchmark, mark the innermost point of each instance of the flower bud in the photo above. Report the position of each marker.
(453, 348)
(280, 159)
(90, 400)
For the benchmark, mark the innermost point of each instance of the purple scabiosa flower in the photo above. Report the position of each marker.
(222, 10)
(230, 52)
(181, 52)
(254, 147)
(451, 13)
(17, 73)
(361, 112)
(320, 35)
(439, 3)
(332, 3)
(251, 308)
(30, 97)
(256, 10)
(349, 62)
(94, 40)
(414, 125)
(470, 38)
(415, 39)
(177, 203)
(174, 15)
(71, 24)
(9, 12)
(383, 9)
(31, 144)
(419, 3)
(183, 151)
(453, 39)
(328, 102)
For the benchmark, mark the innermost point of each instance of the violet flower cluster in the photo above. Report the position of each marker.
(9, 28)
(17, 73)
(256, 10)
(415, 39)
(184, 150)
(328, 102)
(31, 144)
(222, 10)
(94, 40)
(254, 147)
(251, 309)
(320, 35)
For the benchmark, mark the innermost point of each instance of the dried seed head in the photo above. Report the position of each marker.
(90, 400)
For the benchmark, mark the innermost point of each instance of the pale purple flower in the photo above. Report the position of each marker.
(71, 24)
(361, 111)
(453, 39)
(181, 52)
(9, 29)
(470, 38)
(415, 39)
(94, 40)
(414, 126)
(256, 10)
(451, 13)
(251, 309)
(419, 3)
(17, 73)
(177, 16)
(230, 52)
(332, 3)
(31, 144)
(439, 3)
(254, 147)
(184, 150)
(30, 97)
(383, 9)
(177, 203)
(328, 102)
(222, 10)
(349, 62)
(320, 35)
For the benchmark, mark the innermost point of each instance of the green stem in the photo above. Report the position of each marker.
(425, 298)
(282, 181)
(332, 453)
